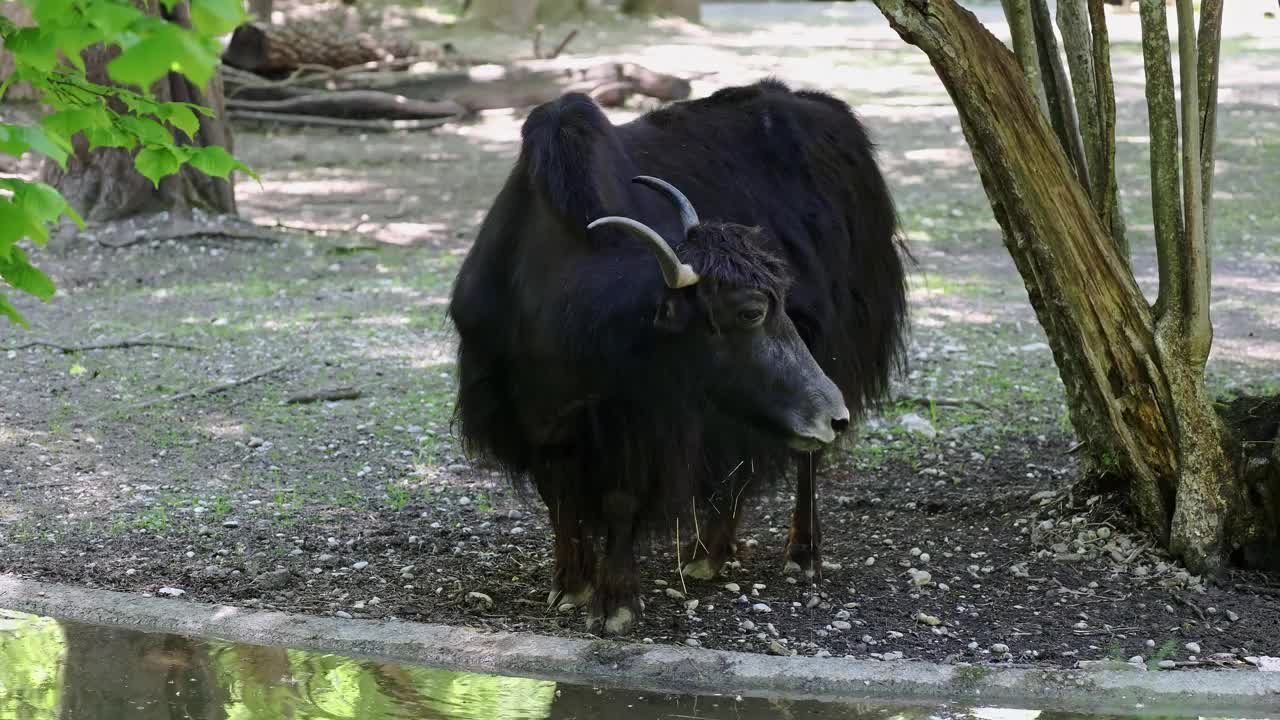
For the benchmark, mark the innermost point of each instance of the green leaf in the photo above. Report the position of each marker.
(109, 137)
(17, 139)
(111, 17)
(11, 312)
(66, 123)
(31, 46)
(76, 369)
(42, 203)
(23, 276)
(156, 162)
(13, 226)
(50, 12)
(181, 117)
(216, 161)
(169, 48)
(215, 17)
(148, 131)
(72, 40)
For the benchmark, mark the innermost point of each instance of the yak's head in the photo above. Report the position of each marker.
(724, 303)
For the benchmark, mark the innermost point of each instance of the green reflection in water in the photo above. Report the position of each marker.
(31, 651)
(51, 670)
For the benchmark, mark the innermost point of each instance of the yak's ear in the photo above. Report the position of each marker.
(673, 312)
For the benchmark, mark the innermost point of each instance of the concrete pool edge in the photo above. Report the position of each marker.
(661, 668)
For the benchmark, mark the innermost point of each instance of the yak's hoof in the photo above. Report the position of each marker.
(802, 558)
(620, 621)
(560, 598)
(701, 569)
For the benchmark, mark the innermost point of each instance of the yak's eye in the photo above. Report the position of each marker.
(751, 316)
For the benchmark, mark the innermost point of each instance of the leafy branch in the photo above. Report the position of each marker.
(123, 115)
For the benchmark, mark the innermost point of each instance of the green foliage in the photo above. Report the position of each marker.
(47, 55)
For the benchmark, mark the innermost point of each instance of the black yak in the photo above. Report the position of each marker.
(657, 319)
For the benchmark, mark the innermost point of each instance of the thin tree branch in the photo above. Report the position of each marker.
(1022, 28)
(1077, 40)
(1196, 326)
(1111, 212)
(1207, 67)
(107, 345)
(1162, 116)
(1062, 107)
(210, 390)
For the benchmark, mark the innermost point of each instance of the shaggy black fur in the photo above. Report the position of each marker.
(564, 376)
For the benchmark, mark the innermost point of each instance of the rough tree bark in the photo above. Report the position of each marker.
(1133, 373)
(103, 185)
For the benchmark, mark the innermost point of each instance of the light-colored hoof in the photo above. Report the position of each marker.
(794, 567)
(701, 569)
(560, 598)
(620, 622)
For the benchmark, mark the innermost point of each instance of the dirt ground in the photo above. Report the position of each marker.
(367, 508)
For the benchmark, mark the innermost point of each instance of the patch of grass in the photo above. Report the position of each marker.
(155, 519)
(397, 496)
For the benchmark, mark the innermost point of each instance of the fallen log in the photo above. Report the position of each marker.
(352, 104)
(486, 87)
(268, 119)
(275, 50)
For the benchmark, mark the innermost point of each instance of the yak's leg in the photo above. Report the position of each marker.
(806, 535)
(575, 557)
(714, 543)
(617, 605)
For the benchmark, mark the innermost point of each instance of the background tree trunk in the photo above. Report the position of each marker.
(261, 10)
(687, 9)
(521, 15)
(112, 673)
(1136, 400)
(20, 91)
(103, 185)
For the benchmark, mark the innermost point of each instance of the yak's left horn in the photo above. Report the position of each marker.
(688, 216)
(676, 273)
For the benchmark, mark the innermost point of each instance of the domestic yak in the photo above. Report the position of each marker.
(658, 319)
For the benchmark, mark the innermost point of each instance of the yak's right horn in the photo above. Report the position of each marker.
(688, 216)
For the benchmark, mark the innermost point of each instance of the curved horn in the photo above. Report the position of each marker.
(676, 273)
(688, 215)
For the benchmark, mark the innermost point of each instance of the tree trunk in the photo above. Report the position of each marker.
(102, 184)
(20, 14)
(1137, 402)
(522, 15)
(113, 673)
(687, 9)
(261, 10)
